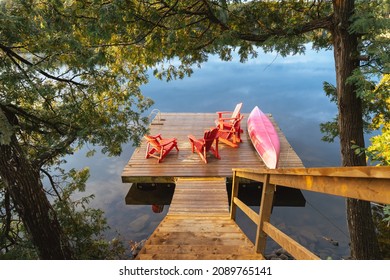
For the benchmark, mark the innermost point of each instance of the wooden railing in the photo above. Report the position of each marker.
(364, 183)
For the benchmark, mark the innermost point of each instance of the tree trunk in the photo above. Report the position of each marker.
(364, 242)
(23, 183)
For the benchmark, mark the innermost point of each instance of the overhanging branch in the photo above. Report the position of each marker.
(52, 183)
(14, 55)
(55, 151)
(17, 111)
(322, 23)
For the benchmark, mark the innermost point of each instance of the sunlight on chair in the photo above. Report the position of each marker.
(226, 122)
(158, 147)
(205, 144)
(231, 136)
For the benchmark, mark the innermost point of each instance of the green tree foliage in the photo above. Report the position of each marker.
(371, 22)
(84, 226)
(53, 81)
(379, 151)
(65, 81)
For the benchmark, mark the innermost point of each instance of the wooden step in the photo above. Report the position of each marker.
(197, 249)
(198, 226)
(185, 237)
(200, 257)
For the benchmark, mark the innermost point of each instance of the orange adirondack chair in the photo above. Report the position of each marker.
(158, 147)
(231, 136)
(205, 144)
(226, 122)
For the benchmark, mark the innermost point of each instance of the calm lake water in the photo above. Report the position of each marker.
(288, 88)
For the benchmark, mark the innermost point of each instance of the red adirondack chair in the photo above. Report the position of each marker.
(231, 136)
(226, 118)
(158, 147)
(205, 144)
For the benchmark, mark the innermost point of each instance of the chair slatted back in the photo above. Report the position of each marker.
(209, 137)
(237, 110)
(153, 141)
(237, 123)
(236, 126)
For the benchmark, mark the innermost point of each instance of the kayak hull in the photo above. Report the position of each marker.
(264, 137)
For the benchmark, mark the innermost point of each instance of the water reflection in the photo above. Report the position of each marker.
(150, 194)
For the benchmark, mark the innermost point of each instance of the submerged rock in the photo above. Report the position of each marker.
(279, 254)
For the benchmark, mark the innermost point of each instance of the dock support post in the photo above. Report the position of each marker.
(235, 186)
(266, 203)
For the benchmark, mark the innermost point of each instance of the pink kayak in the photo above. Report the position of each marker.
(264, 137)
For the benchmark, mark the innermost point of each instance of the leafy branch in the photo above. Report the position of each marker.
(13, 55)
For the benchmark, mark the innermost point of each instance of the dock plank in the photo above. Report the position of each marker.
(200, 195)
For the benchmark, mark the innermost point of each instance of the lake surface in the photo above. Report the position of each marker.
(288, 88)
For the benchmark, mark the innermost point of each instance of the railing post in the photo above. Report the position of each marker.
(267, 198)
(233, 206)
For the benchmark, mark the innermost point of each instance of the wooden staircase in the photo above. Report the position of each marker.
(198, 226)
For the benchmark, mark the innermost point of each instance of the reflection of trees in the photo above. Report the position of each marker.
(383, 228)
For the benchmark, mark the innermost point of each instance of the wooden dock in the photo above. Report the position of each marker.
(187, 164)
(198, 224)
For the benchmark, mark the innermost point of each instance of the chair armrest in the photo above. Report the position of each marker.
(192, 138)
(221, 113)
(156, 136)
(230, 130)
(165, 142)
(227, 119)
